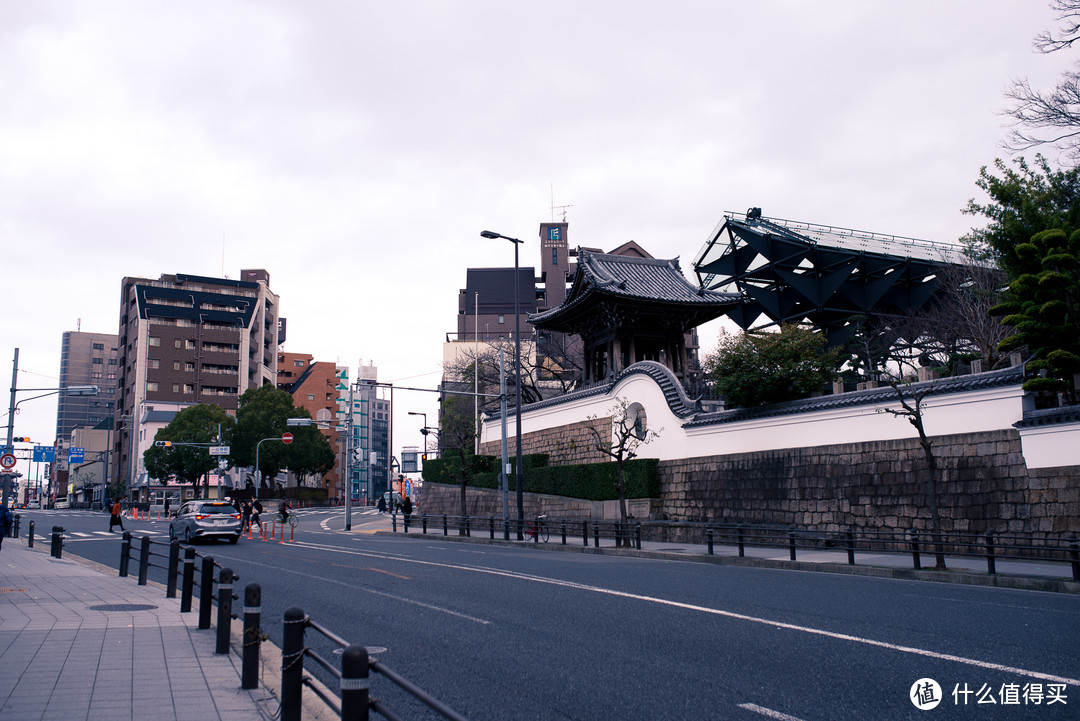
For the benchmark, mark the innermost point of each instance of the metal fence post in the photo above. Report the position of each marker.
(491, 526)
(354, 683)
(30, 538)
(174, 564)
(252, 635)
(1074, 554)
(468, 528)
(991, 562)
(144, 559)
(224, 610)
(709, 539)
(850, 548)
(292, 663)
(15, 526)
(596, 534)
(585, 533)
(915, 550)
(791, 544)
(423, 523)
(445, 528)
(187, 584)
(506, 529)
(739, 538)
(562, 524)
(404, 522)
(206, 592)
(393, 522)
(637, 535)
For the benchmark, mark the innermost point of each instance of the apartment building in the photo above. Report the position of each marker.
(188, 339)
(322, 389)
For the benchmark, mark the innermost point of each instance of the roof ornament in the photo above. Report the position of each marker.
(753, 214)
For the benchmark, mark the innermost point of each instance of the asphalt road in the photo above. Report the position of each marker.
(521, 633)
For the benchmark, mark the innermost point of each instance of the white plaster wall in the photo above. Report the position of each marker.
(976, 411)
(1051, 446)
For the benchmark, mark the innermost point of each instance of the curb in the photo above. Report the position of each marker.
(1023, 583)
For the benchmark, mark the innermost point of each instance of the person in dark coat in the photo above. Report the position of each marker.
(406, 506)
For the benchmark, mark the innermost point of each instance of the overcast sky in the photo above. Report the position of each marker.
(355, 150)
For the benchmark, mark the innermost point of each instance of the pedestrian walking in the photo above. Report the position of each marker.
(246, 511)
(381, 504)
(166, 506)
(256, 511)
(6, 519)
(115, 519)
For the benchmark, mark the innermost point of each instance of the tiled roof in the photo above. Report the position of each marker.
(652, 280)
(1049, 417)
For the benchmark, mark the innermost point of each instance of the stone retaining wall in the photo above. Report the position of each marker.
(985, 487)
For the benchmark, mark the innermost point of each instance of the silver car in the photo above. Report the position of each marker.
(205, 519)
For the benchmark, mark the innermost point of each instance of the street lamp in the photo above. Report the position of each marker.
(423, 430)
(520, 471)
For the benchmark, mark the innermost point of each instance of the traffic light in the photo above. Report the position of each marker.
(423, 431)
(22, 439)
(163, 444)
(423, 457)
(358, 454)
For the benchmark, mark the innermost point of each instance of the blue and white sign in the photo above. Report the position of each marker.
(43, 454)
(76, 454)
(408, 487)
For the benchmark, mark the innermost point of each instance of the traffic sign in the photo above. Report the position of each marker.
(76, 454)
(219, 450)
(7, 461)
(286, 438)
(44, 454)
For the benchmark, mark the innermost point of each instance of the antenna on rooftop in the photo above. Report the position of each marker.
(557, 207)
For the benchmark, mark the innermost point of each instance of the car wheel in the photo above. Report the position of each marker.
(234, 539)
(172, 534)
(187, 535)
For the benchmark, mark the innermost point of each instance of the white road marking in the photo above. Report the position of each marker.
(728, 614)
(768, 712)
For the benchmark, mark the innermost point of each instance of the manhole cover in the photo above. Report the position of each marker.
(372, 650)
(123, 607)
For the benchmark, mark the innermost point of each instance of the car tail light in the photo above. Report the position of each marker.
(236, 516)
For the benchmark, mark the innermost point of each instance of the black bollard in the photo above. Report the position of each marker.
(791, 544)
(144, 559)
(354, 683)
(850, 548)
(292, 663)
(57, 550)
(709, 539)
(563, 527)
(206, 592)
(125, 554)
(174, 565)
(423, 523)
(30, 537)
(224, 610)
(249, 669)
(915, 550)
(991, 562)
(596, 534)
(187, 584)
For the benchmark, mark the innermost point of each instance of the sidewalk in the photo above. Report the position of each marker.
(79, 643)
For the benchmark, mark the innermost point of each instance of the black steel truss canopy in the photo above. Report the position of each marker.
(795, 272)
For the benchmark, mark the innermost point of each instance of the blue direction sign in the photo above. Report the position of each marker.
(43, 454)
(76, 455)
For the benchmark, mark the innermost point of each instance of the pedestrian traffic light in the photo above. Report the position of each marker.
(163, 444)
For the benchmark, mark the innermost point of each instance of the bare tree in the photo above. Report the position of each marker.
(629, 431)
(555, 372)
(1050, 118)
(912, 408)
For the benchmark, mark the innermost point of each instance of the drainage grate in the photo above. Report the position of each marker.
(123, 607)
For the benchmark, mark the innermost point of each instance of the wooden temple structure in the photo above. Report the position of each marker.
(628, 309)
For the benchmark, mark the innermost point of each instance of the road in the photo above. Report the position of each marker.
(522, 633)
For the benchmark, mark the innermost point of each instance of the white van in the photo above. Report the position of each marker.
(61, 503)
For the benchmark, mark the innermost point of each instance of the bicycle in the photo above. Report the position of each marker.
(291, 519)
(536, 528)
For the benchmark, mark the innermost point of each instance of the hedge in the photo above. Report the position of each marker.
(587, 481)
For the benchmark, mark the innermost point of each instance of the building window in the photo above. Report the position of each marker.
(98, 346)
(151, 386)
(188, 389)
(176, 365)
(311, 396)
(554, 256)
(298, 364)
(153, 363)
(189, 344)
(176, 343)
(95, 376)
(189, 367)
(154, 341)
(175, 387)
(112, 361)
(97, 361)
(502, 318)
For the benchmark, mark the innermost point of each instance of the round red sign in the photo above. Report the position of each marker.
(7, 461)
(287, 438)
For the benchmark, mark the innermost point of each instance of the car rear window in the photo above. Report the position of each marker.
(222, 508)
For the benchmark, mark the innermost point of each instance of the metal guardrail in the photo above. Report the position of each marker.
(991, 547)
(355, 701)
